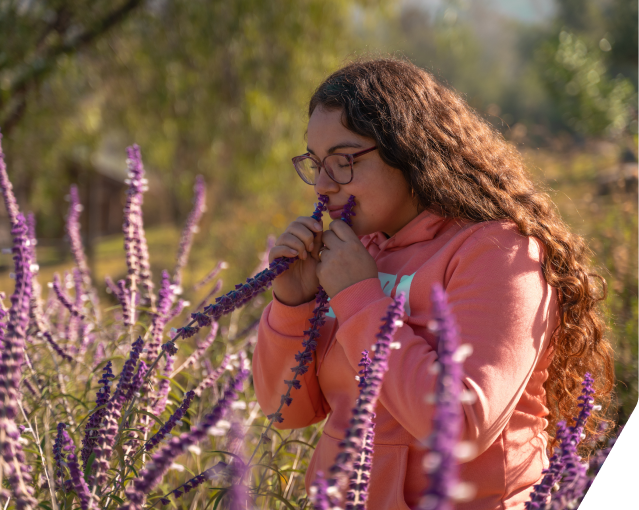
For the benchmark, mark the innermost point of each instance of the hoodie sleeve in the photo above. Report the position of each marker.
(504, 310)
(279, 339)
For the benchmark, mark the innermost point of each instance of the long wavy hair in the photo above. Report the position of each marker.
(459, 166)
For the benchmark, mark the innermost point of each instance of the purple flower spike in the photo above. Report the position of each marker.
(62, 445)
(362, 415)
(565, 464)
(7, 190)
(348, 211)
(212, 378)
(320, 207)
(323, 493)
(63, 298)
(75, 238)
(172, 422)
(260, 282)
(160, 318)
(199, 206)
(94, 421)
(12, 339)
(87, 501)
(194, 482)
(155, 470)
(107, 434)
(165, 384)
(201, 349)
(305, 357)
(443, 470)
(137, 251)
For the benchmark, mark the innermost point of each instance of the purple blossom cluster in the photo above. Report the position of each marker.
(440, 462)
(565, 465)
(172, 422)
(305, 357)
(186, 240)
(135, 245)
(154, 471)
(193, 483)
(12, 340)
(63, 298)
(94, 421)
(63, 444)
(348, 211)
(360, 429)
(61, 447)
(72, 228)
(108, 432)
(212, 377)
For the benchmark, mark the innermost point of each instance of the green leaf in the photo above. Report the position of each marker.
(142, 411)
(279, 498)
(87, 470)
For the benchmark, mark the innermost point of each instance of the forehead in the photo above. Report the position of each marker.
(325, 130)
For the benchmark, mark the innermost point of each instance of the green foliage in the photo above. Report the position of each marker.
(591, 102)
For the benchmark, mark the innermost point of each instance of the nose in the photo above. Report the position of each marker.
(325, 184)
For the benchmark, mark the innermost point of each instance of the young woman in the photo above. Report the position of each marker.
(440, 197)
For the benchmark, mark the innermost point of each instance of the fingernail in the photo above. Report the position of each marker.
(317, 226)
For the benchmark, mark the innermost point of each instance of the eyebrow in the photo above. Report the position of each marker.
(342, 145)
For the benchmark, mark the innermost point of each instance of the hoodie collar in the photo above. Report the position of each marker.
(423, 227)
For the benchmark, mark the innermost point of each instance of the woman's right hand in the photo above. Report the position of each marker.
(298, 284)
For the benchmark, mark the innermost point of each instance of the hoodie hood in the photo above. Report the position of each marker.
(423, 227)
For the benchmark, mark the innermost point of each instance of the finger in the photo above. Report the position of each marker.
(295, 243)
(302, 232)
(343, 231)
(281, 251)
(311, 224)
(318, 244)
(331, 240)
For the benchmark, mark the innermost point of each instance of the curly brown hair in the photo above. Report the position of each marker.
(459, 166)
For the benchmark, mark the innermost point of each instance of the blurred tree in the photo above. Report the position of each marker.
(212, 87)
(591, 102)
(37, 33)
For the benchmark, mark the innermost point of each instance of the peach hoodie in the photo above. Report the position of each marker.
(504, 309)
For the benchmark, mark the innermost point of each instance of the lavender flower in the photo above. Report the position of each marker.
(253, 286)
(80, 486)
(440, 462)
(112, 288)
(107, 435)
(322, 495)
(168, 426)
(199, 351)
(214, 272)
(63, 298)
(152, 475)
(566, 461)
(62, 445)
(7, 190)
(11, 361)
(306, 356)
(199, 206)
(103, 396)
(193, 483)
(362, 416)
(348, 211)
(357, 493)
(72, 228)
(164, 386)
(137, 381)
(125, 297)
(160, 318)
(212, 378)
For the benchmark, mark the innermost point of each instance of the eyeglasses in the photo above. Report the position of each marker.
(339, 167)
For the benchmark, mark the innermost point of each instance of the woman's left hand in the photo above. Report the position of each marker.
(344, 261)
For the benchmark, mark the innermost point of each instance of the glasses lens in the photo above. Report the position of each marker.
(307, 169)
(339, 168)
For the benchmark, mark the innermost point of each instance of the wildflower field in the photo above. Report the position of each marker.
(137, 393)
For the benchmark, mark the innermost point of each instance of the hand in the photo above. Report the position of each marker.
(344, 260)
(298, 284)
